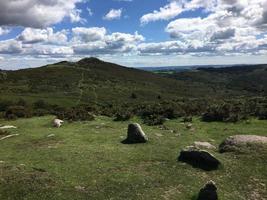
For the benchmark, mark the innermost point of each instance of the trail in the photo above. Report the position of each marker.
(80, 86)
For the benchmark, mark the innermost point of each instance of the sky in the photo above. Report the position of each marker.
(134, 33)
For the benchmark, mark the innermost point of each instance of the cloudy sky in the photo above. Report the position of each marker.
(133, 32)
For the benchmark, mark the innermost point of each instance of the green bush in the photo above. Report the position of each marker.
(41, 104)
(75, 114)
(153, 120)
(14, 112)
(226, 112)
(4, 104)
(123, 116)
(3, 132)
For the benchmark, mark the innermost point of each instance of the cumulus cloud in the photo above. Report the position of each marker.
(88, 34)
(79, 41)
(4, 31)
(10, 47)
(31, 36)
(37, 14)
(92, 43)
(165, 13)
(229, 26)
(113, 14)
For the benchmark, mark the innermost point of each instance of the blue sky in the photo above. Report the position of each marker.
(134, 33)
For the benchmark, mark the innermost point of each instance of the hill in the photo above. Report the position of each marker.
(91, 80)
(250, 80)
(88, 80)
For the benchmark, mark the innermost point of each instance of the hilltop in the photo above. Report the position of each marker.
(88, 80)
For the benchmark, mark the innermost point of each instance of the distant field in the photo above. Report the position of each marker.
(87, 161)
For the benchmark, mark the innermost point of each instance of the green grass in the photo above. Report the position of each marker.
(85, 160)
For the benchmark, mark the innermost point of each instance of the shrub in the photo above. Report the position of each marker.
(4, 104)
(41, 112)
(75, 114)
(40, 104)
(187, 119)
(123, 116)
(262, 113)
(21, 102)
(14, 112)
(153, 120)
(3, 132)
(225, 113)
(133, 96)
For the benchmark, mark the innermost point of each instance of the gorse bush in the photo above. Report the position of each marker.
(228, 110)
(224, 112)
(153, 120)
(14, 112)
(123, 116)
(75, 114)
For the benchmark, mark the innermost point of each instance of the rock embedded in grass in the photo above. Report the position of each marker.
(208, 192)
(135, 134)
(199, 159)
(57, 123)
(204, 145)
(236, 142)
(7, 127)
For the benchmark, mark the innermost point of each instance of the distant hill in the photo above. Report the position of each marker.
(91, 80)
(249, 79)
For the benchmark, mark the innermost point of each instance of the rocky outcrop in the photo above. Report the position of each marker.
(135, 134)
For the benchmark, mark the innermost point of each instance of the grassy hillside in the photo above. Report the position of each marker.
(93, 81)
(248, 80)
(89, 80)
(87, 161)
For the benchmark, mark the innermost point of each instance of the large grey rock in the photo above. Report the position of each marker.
(135, 134)
(199, 159)
(208, 192)
(236, 142)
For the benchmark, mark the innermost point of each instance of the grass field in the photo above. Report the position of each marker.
(85, 160)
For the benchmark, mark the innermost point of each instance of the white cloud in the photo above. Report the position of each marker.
(10, 47)
(75, 16)
(31, 35)
(96, 41)
(90, 12)
(37, 14)
(51, 51)
(4, 31)
(88, 34)
(165, 13)
(232, 27)
(113, 14)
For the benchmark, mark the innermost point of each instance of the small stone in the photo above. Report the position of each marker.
(7, 127)
(189, 126)
(80, 188)
(205, 145)
(51, 135)
(135, 134)
(57, 123)
(208, 192)
(158, 135)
